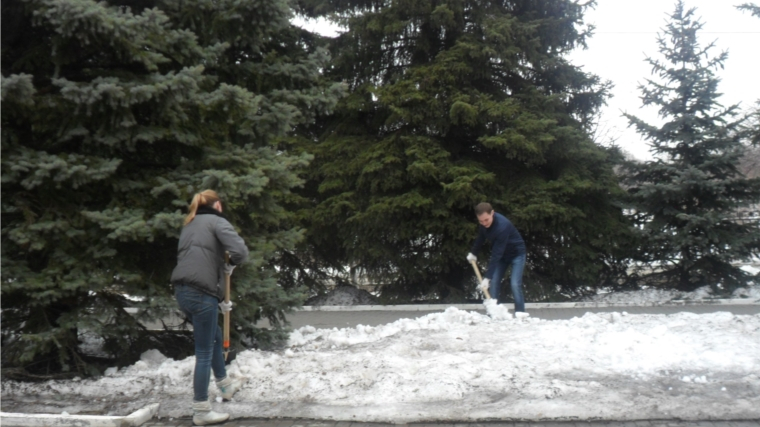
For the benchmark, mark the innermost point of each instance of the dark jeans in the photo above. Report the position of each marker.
(202, 311)
(518, 265)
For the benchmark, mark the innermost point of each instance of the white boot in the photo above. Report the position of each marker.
(521, 315)
(228, 387)
(203, 415)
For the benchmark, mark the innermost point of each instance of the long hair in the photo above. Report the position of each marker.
(204, 198)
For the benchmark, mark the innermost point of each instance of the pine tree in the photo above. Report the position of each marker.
(754, 131)
(451, 104)
(686, 200)
(751, 8)
(754, 126)
(114, 115)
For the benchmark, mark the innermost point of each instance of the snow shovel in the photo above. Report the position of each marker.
(480, 278)
(226, 338)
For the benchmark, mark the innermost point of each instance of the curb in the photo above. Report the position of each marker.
(9, 419)
(528, 305)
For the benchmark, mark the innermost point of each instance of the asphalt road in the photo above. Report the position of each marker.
(349, 319)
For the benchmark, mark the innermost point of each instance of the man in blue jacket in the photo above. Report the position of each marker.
(507, 248)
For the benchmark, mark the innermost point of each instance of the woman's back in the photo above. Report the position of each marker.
(200, 255)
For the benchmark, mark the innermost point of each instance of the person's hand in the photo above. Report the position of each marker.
(228, 269)
(225, 307)
(483, 286)
(471, 257)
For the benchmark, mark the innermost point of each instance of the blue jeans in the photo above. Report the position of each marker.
(202, 311)
(518, 265)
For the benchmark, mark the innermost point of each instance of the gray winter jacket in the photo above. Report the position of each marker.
(200, 259)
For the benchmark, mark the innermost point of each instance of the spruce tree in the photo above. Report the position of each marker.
(451, 104)
(753, 127)
(751, 8)
(114, 115)
(686, 200)
(754, 120)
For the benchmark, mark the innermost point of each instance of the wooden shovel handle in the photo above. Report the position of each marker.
(226, 339)
(480, 278)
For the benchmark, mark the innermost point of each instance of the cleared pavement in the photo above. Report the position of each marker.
(349, 317)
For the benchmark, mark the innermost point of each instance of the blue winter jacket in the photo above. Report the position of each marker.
(506, 242)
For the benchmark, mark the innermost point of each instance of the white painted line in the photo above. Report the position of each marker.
(534, 305)
(9, 419)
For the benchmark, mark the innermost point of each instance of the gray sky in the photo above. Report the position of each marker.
(626, 33)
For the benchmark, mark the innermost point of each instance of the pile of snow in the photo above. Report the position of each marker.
(343, 295)
(752, 292)
(753, 268)
(661, 296)
(460, 365)
(496, 311)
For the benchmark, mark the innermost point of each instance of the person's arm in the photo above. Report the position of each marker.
(231, 241)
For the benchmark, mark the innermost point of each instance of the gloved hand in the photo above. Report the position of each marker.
(228, 269)
(225, 307)
(483, 286)
(471, 257)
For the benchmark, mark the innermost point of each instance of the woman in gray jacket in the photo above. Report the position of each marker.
(198, 281)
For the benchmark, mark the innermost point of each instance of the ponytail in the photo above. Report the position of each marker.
(204, 198)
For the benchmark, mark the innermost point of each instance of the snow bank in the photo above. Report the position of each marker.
(751, 292)
(464, 366)
(343, 295)
(661, 296)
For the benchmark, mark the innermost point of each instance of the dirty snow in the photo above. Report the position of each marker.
(750, 292)
(458, 365)
(661, 296)
(343, 295)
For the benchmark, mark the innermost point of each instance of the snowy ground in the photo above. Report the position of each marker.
(662, 296)
(343, 295)
(459, 365)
